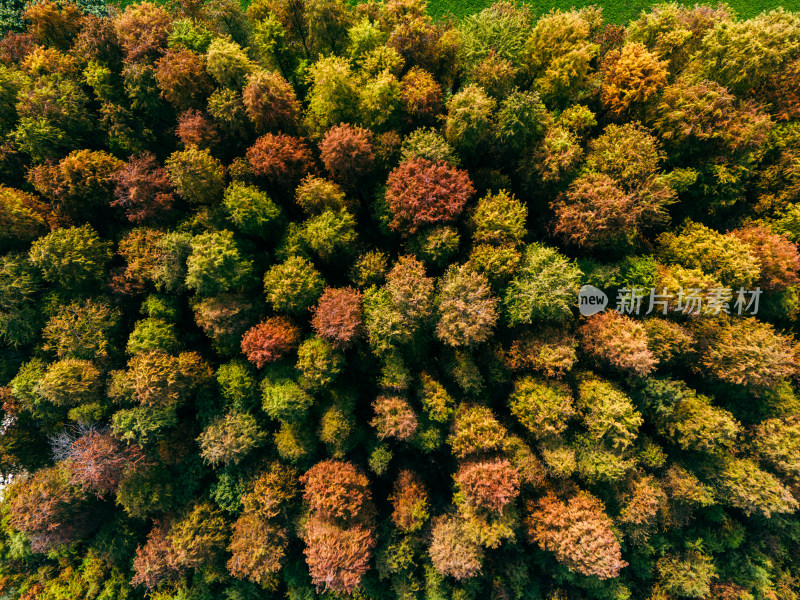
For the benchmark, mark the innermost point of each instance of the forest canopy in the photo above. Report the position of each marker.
(291, 302)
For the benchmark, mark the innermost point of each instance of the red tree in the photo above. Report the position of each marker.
(143, 189)
(421, 192)
(348, 154)
(97, 461)
(337, 556)
(181, 76)
(777, 256)
(491, 484)
(338, 316)
(196, 129)
(578, 532)
(336, 489)
(270, 340)
(282, 159)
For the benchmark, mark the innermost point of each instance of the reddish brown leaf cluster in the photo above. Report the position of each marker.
(143, 190)
(181, 76)
(347, 153)
(777, 256)
(339, 533)
(270, 340)
(195, 129)
(578, 532)
(271, 102)
(491, 484)
(97, 461)
(338, 316)
(281, 159)
(421, 192)
(394, 418)
(618, 340)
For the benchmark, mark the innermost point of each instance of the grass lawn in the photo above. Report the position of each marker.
(616, 11)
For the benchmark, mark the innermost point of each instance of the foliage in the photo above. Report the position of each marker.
(415, 405)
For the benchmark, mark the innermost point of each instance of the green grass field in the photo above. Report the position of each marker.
(616, 11)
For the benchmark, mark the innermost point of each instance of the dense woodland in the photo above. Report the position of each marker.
(289, 303)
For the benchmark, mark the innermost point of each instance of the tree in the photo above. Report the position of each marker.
(142, 30)
(559, 52)
(619, 341)
(338, 316)
(228, 63)
(544, 288)
(467, 310)
(143, 190)
(47, 509)
(723, 256)
(543, 408)
(271, 103)
(70, 382)
(722, 56)
(330, 234)
(316, 195)
(476, 430)
(778, 258)
(333, 97)
(607, 413)
(522, 121)
(743, 485)
(595, 212)
(25, 218)
(348, 155)
(420, 192)
(409, 502)
(451, 552)
(470, 124)
(282, 160)
(578, 532)
(228, 439)
(81, 330)
(318, 362)
(182, 78)
(293, 286)
(74, 258)
(155, 561)
(97, 461)
(197, 176)
(216, 265)
(284, 399)
(632, 76)
(688, 575)
(490, 484)
(499, 219)
(337, 490)
(258, 548)
(270, 340)
(394, 418)
(420, 97)
(337, 556)
(225, 318)
(251, 210)
(768, 358)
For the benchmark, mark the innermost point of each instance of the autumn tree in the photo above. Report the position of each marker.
(578, 532)
(619, 341)
(467, 310)
(270, 340)
(420, 192)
